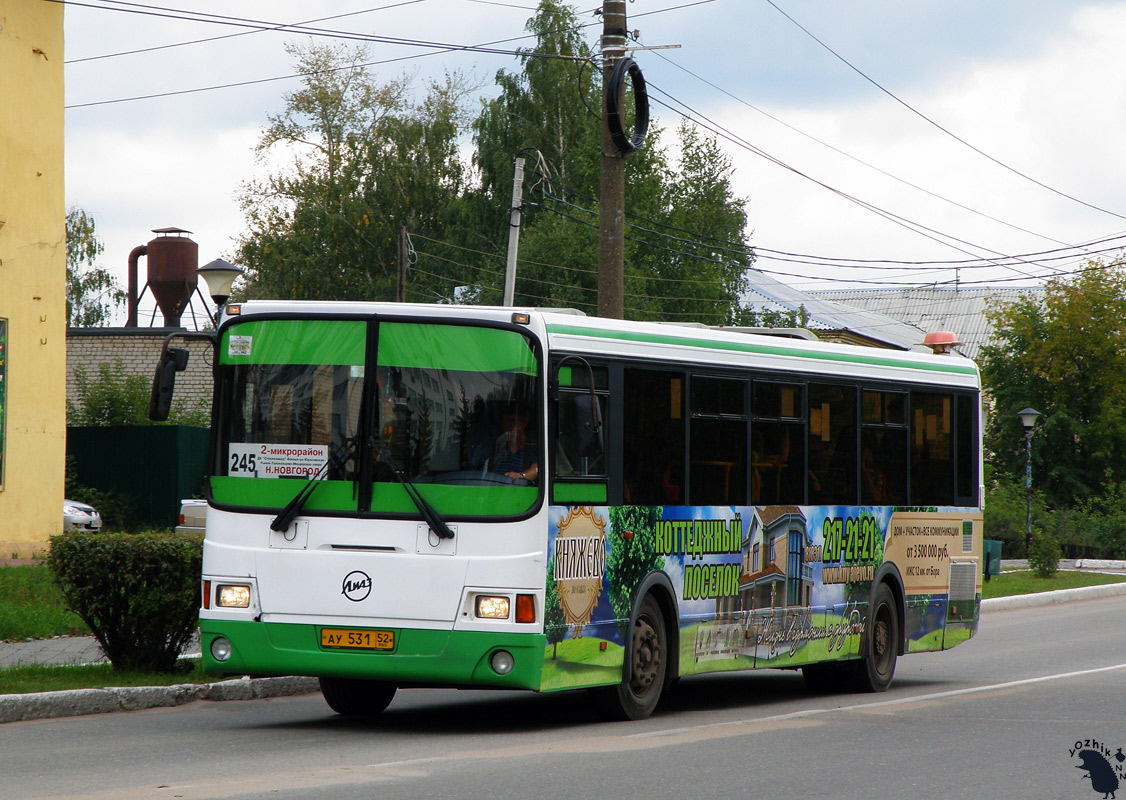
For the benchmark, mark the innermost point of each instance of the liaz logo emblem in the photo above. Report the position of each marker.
(356, 586)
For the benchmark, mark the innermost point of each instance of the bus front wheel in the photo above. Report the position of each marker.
(353, 697)
(637, 697)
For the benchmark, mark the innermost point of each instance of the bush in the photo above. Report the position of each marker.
(1044, 553)
(1006, 513)
(114, 397)
(138, 593)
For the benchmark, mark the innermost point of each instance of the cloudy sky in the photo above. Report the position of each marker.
(979, 131)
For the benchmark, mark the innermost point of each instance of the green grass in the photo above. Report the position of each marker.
(37, 678)
(32, 607)
(1008, 584)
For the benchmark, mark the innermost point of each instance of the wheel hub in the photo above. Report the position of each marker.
(646, 657)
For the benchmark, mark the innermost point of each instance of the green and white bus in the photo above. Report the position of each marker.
(427, 495)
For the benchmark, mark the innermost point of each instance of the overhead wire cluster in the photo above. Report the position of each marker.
(1022, 267)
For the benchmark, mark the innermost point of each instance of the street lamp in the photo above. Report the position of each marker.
(1028, 420)
(219, 275)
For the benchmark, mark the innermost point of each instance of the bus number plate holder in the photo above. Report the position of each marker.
(357, 639)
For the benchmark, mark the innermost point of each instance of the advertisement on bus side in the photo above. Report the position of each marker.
(754, 586)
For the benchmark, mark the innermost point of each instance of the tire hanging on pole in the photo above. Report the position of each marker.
(626, 145)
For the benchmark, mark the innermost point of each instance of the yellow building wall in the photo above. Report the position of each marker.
(32, 275)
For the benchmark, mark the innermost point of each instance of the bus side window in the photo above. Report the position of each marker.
(832, 444)
(932, 449)
(653, 438)
(579, 449)
(967, 418)
(778, 444)
(718, 471)
(883, 448)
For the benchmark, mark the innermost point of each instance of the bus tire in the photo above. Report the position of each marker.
(354, 697)
(637, 697)
(881, 643)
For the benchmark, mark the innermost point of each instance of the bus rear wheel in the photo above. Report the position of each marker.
(637, 697)
(354, 697)
(881, 644)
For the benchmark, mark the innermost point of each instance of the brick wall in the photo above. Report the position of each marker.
(139, 351)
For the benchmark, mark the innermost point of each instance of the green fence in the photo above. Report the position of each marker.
(150, 467)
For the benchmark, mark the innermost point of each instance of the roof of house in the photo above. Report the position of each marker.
(933, 309)
(828, 314)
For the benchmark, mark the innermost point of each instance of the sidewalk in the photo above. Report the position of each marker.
(79, 702)
(61, 650)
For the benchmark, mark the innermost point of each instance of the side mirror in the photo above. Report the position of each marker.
(173, 360)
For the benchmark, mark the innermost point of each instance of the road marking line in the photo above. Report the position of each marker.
(922, 698)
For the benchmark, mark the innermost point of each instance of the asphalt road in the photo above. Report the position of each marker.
(998, 717)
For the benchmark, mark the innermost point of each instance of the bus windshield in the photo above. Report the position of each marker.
(455, 412)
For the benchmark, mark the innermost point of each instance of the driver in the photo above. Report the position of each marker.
(515, 456)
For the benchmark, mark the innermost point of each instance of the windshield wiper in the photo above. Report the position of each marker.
(283, 520)
(433, 519)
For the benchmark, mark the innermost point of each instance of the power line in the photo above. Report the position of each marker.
(278, 27)
(930, 121)
(439, 48)
(860, 161)
(918, 228)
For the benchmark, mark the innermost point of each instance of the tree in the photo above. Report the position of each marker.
(92, 294)
(1066, 357)
(366, 160)
(630, 557)
(694, 266)
(685, 257)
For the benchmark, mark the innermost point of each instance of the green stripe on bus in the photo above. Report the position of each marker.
(454, 347)
(390, 498)
(575, 493)
(275, 493)
(746, 347)
(294, 341)
(458, 501)
(449, 658)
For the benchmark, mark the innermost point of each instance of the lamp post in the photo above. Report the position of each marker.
(219, 275)
(1028, 420)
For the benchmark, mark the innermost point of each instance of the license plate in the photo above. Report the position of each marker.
(357, 639)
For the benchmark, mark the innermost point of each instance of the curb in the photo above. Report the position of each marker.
(79, 702)
(1099, 563)
(1054, 598)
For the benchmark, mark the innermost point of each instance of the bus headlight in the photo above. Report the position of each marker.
(490, 607)
(232, 595)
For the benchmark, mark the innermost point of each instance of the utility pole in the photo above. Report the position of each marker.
(514, 231)
(401, 283)
(611, 218)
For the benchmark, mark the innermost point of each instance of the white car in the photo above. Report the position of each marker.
(193, 515)
(80, 517)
